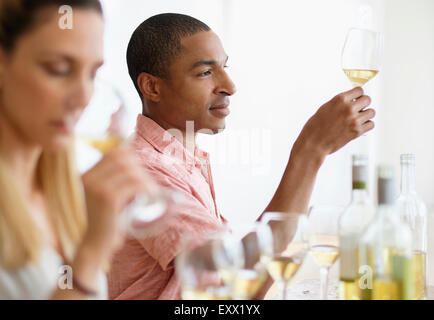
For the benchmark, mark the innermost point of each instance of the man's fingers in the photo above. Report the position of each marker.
(366, 115)
(361, 103)
(367, 126)
(354, 93)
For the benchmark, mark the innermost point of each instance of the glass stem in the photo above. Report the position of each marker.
(324, 282)
(282, 285)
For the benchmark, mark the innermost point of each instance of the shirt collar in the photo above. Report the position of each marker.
(164, 142)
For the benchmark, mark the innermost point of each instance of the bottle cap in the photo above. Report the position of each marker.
(360, 171)
(408, 158)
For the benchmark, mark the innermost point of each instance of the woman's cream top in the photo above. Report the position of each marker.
(39, 282)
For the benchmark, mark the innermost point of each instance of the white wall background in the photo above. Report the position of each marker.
(408, 98)
(285, 61)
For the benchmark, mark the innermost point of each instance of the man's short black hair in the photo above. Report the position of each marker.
(157, 41)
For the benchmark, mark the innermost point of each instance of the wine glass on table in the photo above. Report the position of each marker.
(256, 239)
(207, 270)
(361, 55)
(289, 246)
(323, 240)
(104, 127)
(228, 255)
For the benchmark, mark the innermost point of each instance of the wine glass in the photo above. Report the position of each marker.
(361, 55)
(104, 127)
(256, 238)
(228, 255)
(323, 240)
(289, 246)
(206, 271)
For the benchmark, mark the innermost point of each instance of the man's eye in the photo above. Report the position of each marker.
(204, 74)
(226, 67)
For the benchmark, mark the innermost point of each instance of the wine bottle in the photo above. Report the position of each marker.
(413, 212)
(385, 249)
(352, 223)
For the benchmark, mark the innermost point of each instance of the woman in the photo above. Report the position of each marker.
(46, 80)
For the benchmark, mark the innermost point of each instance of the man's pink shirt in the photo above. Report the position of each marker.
(144, 268)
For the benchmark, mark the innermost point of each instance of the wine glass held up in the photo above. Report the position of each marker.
(361, 55)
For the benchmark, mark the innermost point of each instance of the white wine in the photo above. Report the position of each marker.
(104, 145)
(324, 255)
(419, 272)
(392, 280)
(227, 275)
(385, 290)
(359, 77)
(349, 289)
(400, 285)
(284, 268)
(247, 283)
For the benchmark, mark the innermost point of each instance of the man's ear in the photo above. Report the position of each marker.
(149, 86)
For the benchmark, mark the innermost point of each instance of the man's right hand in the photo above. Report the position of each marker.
(336, 123)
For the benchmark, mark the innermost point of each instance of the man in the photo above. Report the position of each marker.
(177, 65)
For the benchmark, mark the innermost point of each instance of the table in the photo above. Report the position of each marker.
(308, 289)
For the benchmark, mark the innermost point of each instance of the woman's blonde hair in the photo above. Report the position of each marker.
(20, 239)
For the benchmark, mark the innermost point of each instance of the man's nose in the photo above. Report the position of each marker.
(226, 85)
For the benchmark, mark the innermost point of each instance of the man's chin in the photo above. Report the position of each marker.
(211, 131)
(214, 129)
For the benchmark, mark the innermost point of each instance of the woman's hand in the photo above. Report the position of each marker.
(109, 186)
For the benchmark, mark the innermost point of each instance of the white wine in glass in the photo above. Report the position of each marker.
(359, 77)
(248, 282)
(282, 268)
(289, 246)
(251, 276)
(361, 55)
(323, 240)
(325, 255)
(198, 265)
(105, 144)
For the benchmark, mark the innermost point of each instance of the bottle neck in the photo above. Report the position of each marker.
(408, 179)
(387, 211)
(359, 195)
(385, 191)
